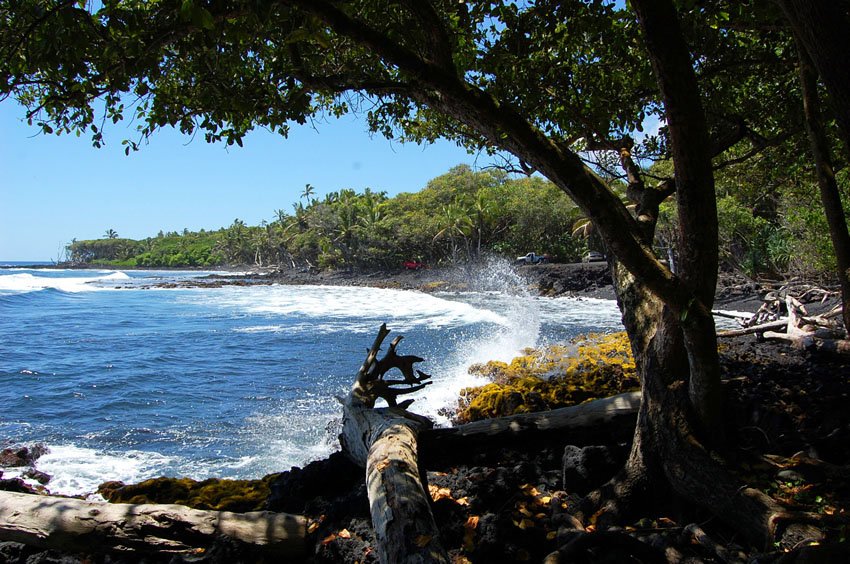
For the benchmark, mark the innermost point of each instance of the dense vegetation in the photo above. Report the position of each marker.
(464, 213)
(457, 217)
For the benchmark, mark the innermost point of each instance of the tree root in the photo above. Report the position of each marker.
(623, 547)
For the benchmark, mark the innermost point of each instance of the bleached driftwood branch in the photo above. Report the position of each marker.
(384, 441)
(803, 331)
(76, 525)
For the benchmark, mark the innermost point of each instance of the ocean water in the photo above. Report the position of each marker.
(126, 381)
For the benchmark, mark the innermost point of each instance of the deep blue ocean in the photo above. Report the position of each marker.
(125, 381)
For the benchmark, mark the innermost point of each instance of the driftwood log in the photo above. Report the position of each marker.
(384, 442)
(88, 526)
(594, 422)
(803, 331)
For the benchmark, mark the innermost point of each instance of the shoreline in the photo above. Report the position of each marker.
(588, 280)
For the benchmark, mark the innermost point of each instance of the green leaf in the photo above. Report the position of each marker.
(203, 18)
(187, 9)
(687, 310)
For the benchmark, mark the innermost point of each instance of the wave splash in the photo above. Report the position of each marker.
(24, 282)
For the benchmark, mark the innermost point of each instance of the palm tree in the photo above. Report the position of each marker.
(308, 192)
(456, 222)
(482, 210)
(111, 234)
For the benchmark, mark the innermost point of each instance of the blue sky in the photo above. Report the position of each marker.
(55, 189)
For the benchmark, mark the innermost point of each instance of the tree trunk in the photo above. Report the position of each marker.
(675, 350)
(829, 193)
(384, 441)
(696, 202)
(88, 526)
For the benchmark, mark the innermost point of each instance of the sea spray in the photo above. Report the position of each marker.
(495, 286)
(25, 282)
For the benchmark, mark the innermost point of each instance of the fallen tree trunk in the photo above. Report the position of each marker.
(594, 422)
(85, 526)
(384, 441)
(779, 323)
(803, 334)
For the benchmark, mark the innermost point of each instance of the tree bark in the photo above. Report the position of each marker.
(88, 526)
(829, 193)
(696, 202)
(384, 442)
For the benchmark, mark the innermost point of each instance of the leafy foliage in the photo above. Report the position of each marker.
(457, 217)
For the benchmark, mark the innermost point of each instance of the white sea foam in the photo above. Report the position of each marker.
(728, 323)
(77, 470)
(26, 282)
(357, 308)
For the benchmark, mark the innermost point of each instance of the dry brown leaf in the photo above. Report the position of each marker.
(546, 499)
(329, 539)
(344, 534)
(524, 524)
(312, 527)
(422, 541)
(469, 533)
(530, 490)
(551, 535)
(439, 493)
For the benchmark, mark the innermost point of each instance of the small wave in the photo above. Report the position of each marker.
(77, 470)
(357, 307)
(25, 282)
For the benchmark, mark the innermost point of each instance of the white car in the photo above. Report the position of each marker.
(532, 258)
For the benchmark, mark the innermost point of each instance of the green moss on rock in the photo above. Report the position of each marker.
(592, 366)
(214, 493)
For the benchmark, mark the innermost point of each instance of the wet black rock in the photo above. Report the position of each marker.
(15, 485)
(292, 490)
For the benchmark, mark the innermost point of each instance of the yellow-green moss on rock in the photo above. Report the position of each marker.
(214, 493)
(590, 367)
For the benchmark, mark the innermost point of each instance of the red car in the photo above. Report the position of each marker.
(413, 265)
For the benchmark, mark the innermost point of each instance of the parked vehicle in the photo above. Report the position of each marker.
(413, 265)
(532, 258)
(593, 256)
